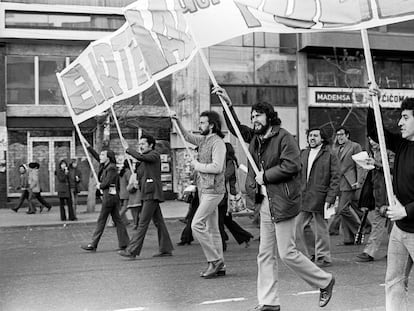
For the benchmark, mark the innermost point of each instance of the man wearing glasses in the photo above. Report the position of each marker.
(351, 179)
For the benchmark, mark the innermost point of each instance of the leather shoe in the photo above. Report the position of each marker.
(364, 257)
(221, 272)
(125, 253)
(14, 209)
(266, 308)
(89, 247)
(326, 293)
(213, 268)
(162, 255)
(323, 263)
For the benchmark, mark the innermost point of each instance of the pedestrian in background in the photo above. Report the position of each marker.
(210, 168)
(63, 190)
(377, 199)
(75, 176)
(135, 196)
(35, 190)
(347, 216)
(109, 185)
(149, 178)
(277, 190)
(320, 180)
(24, 189)
(225, 215)
(124, 176)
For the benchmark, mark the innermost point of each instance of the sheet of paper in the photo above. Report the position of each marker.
(361, 159)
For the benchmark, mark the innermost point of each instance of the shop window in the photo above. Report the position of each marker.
(388, 74)
(20, 80)
(408, 75)
(49, 89)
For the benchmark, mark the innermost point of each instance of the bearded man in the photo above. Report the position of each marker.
(277, 192)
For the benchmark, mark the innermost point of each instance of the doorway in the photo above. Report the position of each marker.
(48, 152)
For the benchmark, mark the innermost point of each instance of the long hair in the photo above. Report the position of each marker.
(214, 119)
(124, 168)
(271, 114)
(230, 154)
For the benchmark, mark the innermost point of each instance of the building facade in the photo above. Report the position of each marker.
(316, 79)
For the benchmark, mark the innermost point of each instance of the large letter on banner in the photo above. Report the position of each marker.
(162, 35)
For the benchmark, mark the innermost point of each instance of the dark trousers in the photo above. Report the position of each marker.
(187, 234)
(150, 210)
(110, 207)
(24, 196)
(41, 200)
(71, 214)
(239, 234)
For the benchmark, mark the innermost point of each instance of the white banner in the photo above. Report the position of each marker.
(158, 39)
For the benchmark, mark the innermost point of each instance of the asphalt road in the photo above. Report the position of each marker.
(43, 268)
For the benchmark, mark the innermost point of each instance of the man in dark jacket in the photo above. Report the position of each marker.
(401, 243)
(277, 190)
(319, 181)
(109, 185)
(149, 179)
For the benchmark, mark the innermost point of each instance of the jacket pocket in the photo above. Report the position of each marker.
(291, 189)
(149, 186)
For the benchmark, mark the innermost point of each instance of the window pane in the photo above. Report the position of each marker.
(49, 89)
(408, 75)
(232, 65)
(273, 68)
(17, 155)
(286, 96)
(20, 80)
(91, 22)
(322, 73)
(388, 74)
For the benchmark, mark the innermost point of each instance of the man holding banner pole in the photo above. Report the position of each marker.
(401, 242)
(277, 190)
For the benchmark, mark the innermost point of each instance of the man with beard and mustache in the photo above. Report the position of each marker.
(210, 168)
(401, 243)
(277, 192)
(320, 178)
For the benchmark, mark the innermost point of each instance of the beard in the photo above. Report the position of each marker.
(261, 130)
(205, 132)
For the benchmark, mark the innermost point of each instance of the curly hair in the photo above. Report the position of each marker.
(271, 114)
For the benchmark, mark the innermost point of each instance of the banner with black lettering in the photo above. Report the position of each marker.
(162, 36)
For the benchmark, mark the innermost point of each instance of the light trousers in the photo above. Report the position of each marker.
(280, 238)
(205, 226)
(399, 263)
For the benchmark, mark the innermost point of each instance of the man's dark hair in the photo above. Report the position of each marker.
(324, 136)
(342, 128)
(408, 104)
(214, 119)
(271, 114)
(150, 139)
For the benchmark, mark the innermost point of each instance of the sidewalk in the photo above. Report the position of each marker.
(8, 219)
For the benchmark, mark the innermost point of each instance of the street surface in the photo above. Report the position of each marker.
(43, 268)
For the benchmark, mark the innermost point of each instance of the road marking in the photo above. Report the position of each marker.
(222, 301)
(131, 309)
(311, 292)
